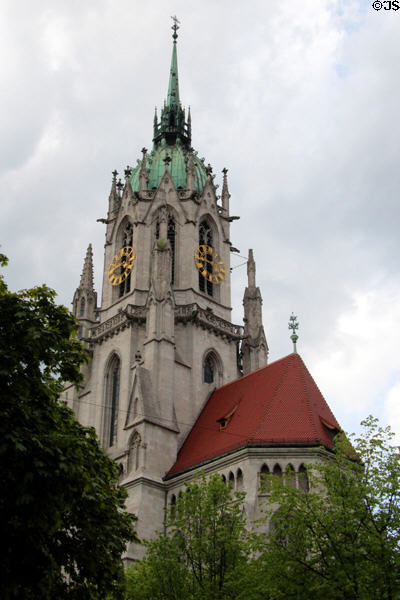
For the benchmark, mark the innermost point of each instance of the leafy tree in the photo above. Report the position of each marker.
(63, 526)
(205, 552)
(340, 540)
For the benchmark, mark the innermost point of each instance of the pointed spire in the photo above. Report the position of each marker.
(87, 271)
(293, 325)
(173, 126)
(226, 195)
(155, 124)
(173, 87)
(189, 124)
(113, 199)
(143, 178)
(251, 270)
(128, 192)
(254, 347)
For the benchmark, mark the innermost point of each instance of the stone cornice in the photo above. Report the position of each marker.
(118, 322)
(183, 314)
(207, 319)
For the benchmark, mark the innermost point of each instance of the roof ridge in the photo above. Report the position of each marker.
(255, 371)
(278, 387)
(307, 395)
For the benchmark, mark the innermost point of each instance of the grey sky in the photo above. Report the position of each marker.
(298, 99)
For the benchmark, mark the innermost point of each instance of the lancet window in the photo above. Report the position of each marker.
(206, 239)
(112, 402)
(209, 369)
(82, 307)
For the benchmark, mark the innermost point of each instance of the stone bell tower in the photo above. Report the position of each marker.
(162, 340)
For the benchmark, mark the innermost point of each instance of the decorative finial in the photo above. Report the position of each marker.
(120, 185)
(167, 160)
(208, 169)
(128, 172)
(175, 28)
(114, 174)
(293, 324)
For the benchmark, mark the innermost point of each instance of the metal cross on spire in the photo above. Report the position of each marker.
(293, 325)
(175, 28)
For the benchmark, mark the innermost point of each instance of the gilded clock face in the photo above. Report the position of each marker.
(121, 265)
(209, 263)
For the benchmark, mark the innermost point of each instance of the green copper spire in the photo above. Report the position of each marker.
(172, 133)
(173, 87)
(172, 129)
(293, 325)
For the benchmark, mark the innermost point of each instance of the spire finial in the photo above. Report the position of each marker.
(293, 325)
(175, 28)
(251, 270)
(173, 86)
(87, 271)
(225, 193)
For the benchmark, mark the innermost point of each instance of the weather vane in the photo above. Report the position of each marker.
(175, 27)
(293, 325)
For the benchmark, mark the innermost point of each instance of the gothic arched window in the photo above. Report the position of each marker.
(264, 481)
(303, 479)
(212, 368)
(127, 240)
(209, 370)
(290, 476)
(82, 307)
(239, 480)
(205, 238)
(112, 401)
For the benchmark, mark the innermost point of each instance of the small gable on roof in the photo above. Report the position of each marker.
(278, 405)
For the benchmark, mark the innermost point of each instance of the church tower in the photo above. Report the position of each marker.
(162, 340)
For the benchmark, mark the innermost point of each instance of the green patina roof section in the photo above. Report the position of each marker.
(173, 86)
(177, 168)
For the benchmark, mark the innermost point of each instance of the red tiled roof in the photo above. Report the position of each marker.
(279, 404)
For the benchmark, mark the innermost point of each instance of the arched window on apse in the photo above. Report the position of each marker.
(303, 479)
(171, 236)
(127, 240)
(277, 470)
(112, 401)
(206, 238)
(265, 484)
(239, 480)
(173, 505)
(231, 479)
(290, 476)
(134, 448)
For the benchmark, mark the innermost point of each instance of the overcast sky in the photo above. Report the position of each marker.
(299, 99)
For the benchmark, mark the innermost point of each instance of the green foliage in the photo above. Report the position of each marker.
(204, 554)
(340, 541)
(63, 525)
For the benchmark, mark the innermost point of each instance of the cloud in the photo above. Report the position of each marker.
(297, 100)
(392, 410)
